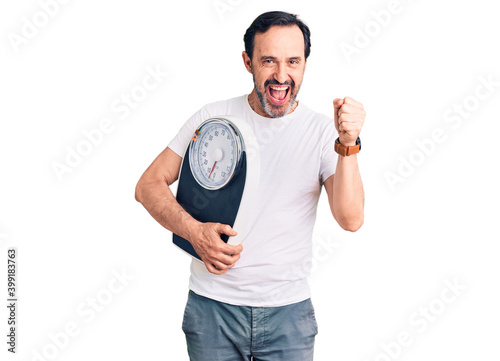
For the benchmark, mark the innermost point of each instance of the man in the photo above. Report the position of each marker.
(253, 300)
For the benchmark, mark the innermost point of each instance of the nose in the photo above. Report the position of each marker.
(281, 74)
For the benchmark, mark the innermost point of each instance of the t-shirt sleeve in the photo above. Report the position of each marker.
(328, 156)
(181, 141)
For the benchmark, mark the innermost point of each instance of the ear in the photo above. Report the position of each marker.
(247, 61)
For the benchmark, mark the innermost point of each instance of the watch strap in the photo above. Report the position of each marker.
(346, 150)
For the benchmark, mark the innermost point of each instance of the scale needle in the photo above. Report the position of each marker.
(212, 170)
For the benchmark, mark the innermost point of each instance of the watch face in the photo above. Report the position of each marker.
(215, 153)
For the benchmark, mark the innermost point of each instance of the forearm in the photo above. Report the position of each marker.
(347, 201)
(160, 202)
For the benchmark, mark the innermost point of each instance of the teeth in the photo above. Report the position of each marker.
(279, 87)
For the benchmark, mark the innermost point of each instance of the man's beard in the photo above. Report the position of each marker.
(276, 111)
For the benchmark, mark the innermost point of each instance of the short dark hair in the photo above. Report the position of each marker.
(275, 18)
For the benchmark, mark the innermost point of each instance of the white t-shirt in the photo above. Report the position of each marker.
(297, 155)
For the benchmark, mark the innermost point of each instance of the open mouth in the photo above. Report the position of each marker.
(278, 93)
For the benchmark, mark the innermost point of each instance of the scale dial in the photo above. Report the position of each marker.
(215, 153)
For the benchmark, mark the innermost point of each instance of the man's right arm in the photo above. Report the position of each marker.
(153, 192)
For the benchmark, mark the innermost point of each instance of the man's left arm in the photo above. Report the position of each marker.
(345, 188)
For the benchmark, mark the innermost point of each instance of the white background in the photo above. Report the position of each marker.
(438, 223)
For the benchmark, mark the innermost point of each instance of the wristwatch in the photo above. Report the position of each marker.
(347, 150)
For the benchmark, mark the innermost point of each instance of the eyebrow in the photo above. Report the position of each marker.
(274, 58)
